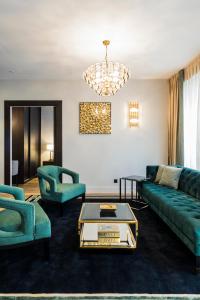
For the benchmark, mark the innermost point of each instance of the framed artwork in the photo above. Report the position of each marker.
(95, 117)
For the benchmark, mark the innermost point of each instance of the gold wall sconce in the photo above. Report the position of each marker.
(133, 113)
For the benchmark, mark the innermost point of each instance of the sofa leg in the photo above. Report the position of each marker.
(46, 249)
(197, 265)
(83, 197)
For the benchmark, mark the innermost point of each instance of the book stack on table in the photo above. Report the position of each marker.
(108, 234)
(108, 210)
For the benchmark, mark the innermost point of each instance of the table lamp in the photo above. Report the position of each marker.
(50, 147)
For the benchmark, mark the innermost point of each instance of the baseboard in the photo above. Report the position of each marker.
(106, 195)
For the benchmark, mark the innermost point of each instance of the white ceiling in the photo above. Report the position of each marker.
(49, 39)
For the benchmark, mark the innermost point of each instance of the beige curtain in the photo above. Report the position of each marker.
(173, 118)
(192, 69)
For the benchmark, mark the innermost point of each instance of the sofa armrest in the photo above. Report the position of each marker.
(151, 172)
(26, 211)
(74, 175)
(51, 181)
(17, 192)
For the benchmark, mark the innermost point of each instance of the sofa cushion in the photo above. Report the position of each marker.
(159, 173)
(170, 176)
(181, 209)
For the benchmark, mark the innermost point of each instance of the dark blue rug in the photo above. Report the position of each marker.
(161, 264)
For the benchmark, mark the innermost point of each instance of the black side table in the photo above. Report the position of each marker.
(138, 180)
(48, 162)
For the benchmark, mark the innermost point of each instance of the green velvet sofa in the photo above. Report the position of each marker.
(22, 222)
(179, 209)
(52, 189)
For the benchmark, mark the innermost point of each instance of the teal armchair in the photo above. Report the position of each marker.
(52, 188)
(21, 222)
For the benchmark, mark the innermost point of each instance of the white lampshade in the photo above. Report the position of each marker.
(50, 147)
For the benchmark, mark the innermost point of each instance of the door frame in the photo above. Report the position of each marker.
(57, 104)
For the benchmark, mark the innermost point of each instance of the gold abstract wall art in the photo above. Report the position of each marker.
(95, 117)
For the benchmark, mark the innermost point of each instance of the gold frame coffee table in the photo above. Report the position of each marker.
(118, 230)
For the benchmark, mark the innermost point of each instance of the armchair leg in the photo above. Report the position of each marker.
(46, 249)
(83, 197)
(61, 210)
(197, 267)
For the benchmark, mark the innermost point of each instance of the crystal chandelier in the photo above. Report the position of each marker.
(107, 77)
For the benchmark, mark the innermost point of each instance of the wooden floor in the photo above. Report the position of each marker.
(32, 188)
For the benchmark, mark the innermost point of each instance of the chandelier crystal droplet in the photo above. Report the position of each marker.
(107, 77)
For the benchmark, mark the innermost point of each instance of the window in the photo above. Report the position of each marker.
(191, 100)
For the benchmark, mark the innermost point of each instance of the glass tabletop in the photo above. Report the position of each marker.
(134, 178)
(92, 211)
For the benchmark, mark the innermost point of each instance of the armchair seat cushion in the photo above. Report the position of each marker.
(10, 221)
(67, 191)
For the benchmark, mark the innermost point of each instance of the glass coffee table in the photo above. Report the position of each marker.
(114, 227)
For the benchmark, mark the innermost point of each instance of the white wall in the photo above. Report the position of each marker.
(101, 158)
(47, 130)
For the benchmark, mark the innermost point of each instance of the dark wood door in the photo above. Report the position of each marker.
(8, 105)
(34, 140)
(26, 143)
(18, 140)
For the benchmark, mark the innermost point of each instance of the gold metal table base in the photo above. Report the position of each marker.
(132, 233)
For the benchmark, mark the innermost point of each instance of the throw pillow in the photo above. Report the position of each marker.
(170, 177)
(159, 173)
